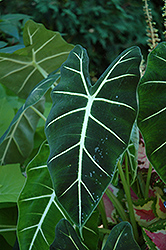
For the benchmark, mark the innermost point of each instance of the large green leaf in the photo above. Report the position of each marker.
(89, 127)
(152, 109)
(44, 52)
(39, 211)
(66, 237)
(121, 237)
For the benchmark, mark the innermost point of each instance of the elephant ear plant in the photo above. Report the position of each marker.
(90, 131)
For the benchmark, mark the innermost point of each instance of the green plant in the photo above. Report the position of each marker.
(91, 140)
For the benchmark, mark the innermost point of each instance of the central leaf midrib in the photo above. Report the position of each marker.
(82, 143)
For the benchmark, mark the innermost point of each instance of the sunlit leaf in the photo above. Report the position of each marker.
(89, 127)
(152, 109)
(44, 52)
(11, 182)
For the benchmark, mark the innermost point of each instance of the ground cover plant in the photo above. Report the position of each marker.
(86, 181)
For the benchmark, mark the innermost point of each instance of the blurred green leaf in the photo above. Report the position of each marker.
(44, 52)
(5, 108)
(16, 144)
(11, 182)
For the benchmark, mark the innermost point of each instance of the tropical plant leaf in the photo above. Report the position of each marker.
(66, 237)
(16, 143)
(89, 127)
(121, 237)
(11, 182)
(44, 52)
(152, 109)
(38, 204)
(90, 232)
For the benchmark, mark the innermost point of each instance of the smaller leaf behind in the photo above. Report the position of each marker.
(66, 237)
(15, 146)
(121, 237)
(44, 51)
(16, 143)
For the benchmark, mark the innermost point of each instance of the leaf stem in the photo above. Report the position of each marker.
(117, 205)
(148, 181)
(127, 169)
(103, 214)
(104, 230)
(129, 201)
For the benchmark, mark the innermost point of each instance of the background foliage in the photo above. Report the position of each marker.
(104, 28)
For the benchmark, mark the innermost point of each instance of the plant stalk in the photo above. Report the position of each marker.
(127, 169)
(148, 181)
(117, 205)
(103, 214)
(129, 201)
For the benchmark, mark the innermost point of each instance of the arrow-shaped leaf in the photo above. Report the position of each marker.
(44, 52)
(152, 110)
(89, 127)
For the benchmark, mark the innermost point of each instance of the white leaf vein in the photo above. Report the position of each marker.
(106, 128)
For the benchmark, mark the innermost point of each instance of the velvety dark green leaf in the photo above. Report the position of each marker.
(39, 210)
(121, 237)
(90, 232)
(4, 244)
(66, 237)
(16, 143)
(152, 109)
(89, 127)
(44, 52)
